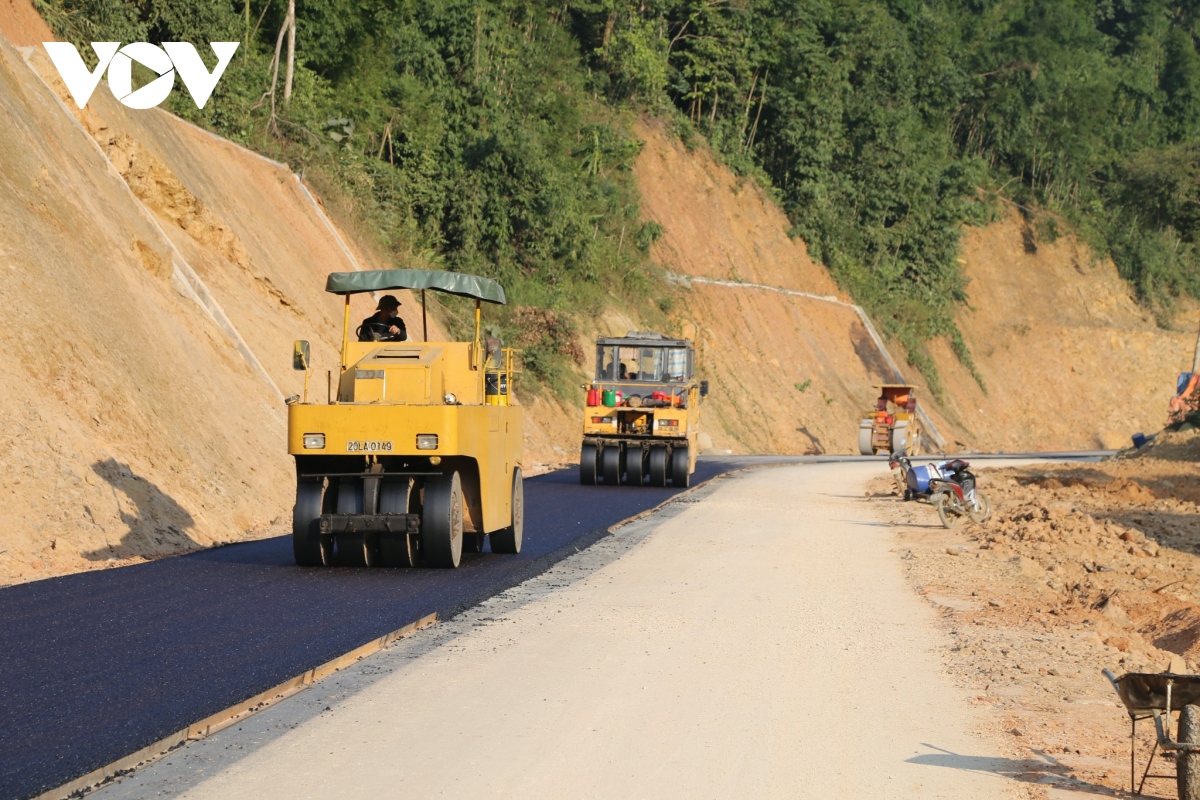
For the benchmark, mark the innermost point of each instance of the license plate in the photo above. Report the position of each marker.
(368, 447)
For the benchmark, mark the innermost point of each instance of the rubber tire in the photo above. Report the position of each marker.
(397, 550)
(587, 465)
(680, 476)
(442, 521)
(899, 439)
(350, 547)
(508, 540)
(306, 544)
(635, 466)
(949, 518)
(864, 441)
(658, 466)
(610, 465)
(1187, 765)
(985, 511)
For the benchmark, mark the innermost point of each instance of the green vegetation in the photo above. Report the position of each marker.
(488, 136)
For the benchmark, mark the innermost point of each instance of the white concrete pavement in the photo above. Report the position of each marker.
(756, 639)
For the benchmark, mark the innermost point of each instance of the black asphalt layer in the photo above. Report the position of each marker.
(98, 665)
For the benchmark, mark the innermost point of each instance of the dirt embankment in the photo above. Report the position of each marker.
(155, 278)
(789, 374)
(1069, 359)
(1081, 568)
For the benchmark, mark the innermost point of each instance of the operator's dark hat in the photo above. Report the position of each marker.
(388, 301)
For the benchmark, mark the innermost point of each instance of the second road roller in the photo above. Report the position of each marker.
(642, 414)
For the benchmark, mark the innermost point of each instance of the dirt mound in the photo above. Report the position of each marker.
(1081, 567)
(1168, 446)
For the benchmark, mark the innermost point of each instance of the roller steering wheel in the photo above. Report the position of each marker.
(381, 331)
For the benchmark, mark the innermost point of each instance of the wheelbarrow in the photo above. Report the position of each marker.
(1155, 695)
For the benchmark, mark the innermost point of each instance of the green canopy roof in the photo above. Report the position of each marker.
(377, 280)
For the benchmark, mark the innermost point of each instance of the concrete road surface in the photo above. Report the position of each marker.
(755, 639)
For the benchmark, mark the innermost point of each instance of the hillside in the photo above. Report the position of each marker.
(1070, 359)
(157, 276)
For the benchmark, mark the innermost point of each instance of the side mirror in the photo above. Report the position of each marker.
(704, 388)
(301, 355)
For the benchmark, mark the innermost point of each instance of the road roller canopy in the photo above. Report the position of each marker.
(377, 280)
(900, 395)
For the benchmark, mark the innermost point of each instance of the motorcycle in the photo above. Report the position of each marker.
(913, 482)
(955, 496)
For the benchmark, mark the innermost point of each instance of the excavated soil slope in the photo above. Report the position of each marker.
(1069, 359)
(156, 278)
(788, 373)
(133, 426)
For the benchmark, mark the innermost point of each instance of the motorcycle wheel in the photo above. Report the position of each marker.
(982, 510)
(946, 511)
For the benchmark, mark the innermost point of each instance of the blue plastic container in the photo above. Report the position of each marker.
(1139, 440)
(919, 477)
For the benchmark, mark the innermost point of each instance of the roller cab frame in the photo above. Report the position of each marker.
(415, 456)
(642, 416)
(892, 426)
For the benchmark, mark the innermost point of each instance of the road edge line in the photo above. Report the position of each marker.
(214, 723)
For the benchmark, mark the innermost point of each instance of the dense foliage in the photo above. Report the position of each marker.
(487, 135)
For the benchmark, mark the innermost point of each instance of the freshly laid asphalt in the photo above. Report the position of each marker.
(98, 665)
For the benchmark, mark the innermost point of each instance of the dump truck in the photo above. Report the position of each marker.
(415, 455)
(642, 413)
(892, 427)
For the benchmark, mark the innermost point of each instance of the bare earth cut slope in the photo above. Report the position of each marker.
(789, 374)
(133, 426)
(156, 278)
(1069, 359)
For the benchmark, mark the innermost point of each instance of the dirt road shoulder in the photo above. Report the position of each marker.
(1082, 567)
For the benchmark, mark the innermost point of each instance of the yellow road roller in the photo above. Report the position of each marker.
(415, 455)
(642, 413)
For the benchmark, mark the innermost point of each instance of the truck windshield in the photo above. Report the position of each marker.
(643, 364)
